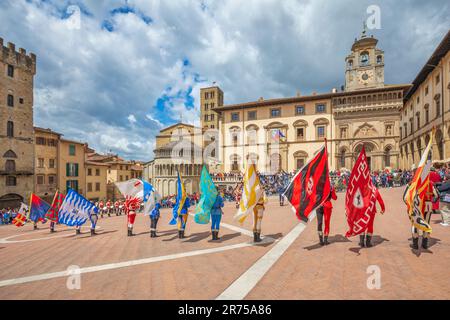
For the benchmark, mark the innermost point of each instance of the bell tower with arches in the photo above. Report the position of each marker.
(365, 64)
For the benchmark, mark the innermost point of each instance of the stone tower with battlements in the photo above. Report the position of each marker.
(17, 70)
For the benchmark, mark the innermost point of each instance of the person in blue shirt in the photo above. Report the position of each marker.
(280, 191)
(182, 218)
(154, 216)
(216, 216)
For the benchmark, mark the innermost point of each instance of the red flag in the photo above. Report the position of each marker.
(52, 213)
(311, 186)
(360, 200)
(19, 220)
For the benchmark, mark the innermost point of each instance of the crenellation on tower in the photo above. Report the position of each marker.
(18, 59)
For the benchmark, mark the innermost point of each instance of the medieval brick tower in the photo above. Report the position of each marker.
(17, 70)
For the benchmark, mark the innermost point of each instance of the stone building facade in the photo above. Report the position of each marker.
(17, 71)
(178, 149)
(427, 105)
(46, 162)
(72, 170)
(282, 134)
(96, 177)
(210, 98)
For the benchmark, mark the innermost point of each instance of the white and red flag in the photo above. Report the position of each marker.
(360, 200)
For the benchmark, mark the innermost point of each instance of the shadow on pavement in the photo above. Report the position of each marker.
(431, 242)
(226, 237)
(333, 239)
(197, 236)
(86, 235)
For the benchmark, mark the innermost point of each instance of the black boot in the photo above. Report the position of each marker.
(425, 243)
(213, 235)
(415, 244)
(52, 230)
(35, 227)
(255, 237)
(258, 237)
(92, 232)
(152, 235)
(180, 234)
(361, 240)
(321, 240)
(368, 241)
(78, 231)
(217, 235)
(325, 240)
(129, 232)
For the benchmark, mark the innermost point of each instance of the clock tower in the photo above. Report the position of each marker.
(364, 65)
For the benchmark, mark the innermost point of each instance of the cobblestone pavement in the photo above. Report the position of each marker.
(114, 266)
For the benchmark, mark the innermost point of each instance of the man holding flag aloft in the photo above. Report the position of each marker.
(252, 201)
(360, 201)
(210, 204)
(310, 189)
(180, 210)
(137, 191)
(418, 197)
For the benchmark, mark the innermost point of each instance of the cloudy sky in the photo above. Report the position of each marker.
(124, 69)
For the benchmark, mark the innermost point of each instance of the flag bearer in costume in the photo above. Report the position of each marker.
(252, 201)
(210, 204)
(116, 207)
(108, 208)
(52, 213)
(367, 236)
(258, 213)
(216, 216)
(131, 206)
(418, 197)
(324, 216)
(180, 210)
(154, 217)
(310, 189)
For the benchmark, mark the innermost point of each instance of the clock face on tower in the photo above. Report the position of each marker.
(364, 77)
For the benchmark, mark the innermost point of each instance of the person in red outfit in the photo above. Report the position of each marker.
(324, 215)
(369, 232)
(435, 178)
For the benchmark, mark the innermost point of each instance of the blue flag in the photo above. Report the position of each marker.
(208, 197)
(75, 210)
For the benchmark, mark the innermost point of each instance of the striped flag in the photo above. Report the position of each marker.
(52, 213)
(310, 187)
(251, 193)
(416, 192)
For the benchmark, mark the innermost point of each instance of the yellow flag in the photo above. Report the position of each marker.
(251, 193)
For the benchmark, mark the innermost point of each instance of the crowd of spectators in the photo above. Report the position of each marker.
(7, 215)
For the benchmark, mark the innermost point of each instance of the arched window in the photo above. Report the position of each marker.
(379, 59)
(364, 58)
(235, 160)
(10, 154)
(342, 158)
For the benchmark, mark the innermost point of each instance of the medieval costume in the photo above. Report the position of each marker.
(116, 207)
(216, 216)
(366, 239)
(131, 206)
(258, 212)
(182, 218)
(101, 206)
(324, 216)
(109, 208)
(154, 217)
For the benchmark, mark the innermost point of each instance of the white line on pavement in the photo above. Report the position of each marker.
(124, 264)
(239, 289)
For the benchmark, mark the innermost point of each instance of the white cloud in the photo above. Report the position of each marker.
(103, 87)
